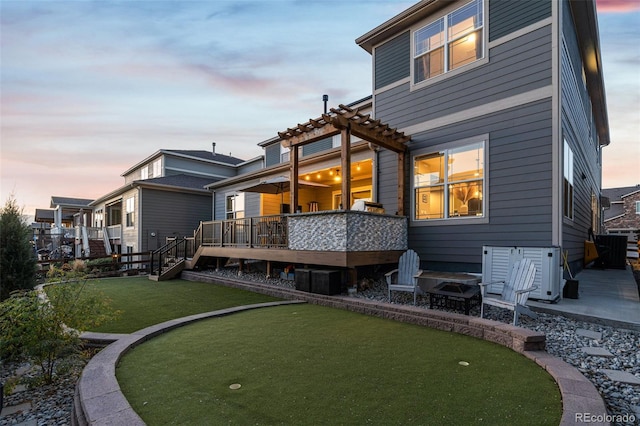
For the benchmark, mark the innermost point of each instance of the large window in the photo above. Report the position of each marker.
(234, 206)
(567, 196)
(450, 183)
(448, 43)
(157, 168)
(130, 211)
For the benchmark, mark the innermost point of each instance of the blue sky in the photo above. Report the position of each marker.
(90, 88)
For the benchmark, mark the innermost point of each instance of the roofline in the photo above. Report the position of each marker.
(143, 184)
(399, 22)
(630, 193)
(586, 23)
(614, 217)
(174, 154)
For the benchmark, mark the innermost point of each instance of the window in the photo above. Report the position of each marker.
(448, 43)
(157, 168)
(567, 192)
(637, 207)
(144, 173)
(130, 209)
(450, 183)
(234, 208)
(284, 154)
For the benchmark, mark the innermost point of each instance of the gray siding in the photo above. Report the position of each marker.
(272, 155)
(170, 214)
(507, 16)
(514, 67)
(578, 130)
(315, 147)
(519, 185)
(196, 168)
(251, 202)
(393, 60)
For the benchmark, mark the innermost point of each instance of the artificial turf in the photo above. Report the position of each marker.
(143, 302)
(307, 364)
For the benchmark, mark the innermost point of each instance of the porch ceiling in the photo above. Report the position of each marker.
(358, 124)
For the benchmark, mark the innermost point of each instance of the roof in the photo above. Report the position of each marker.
(69, 202)
(200, 155)
(169, 183)
(182, 181)
(617, 194)
(206, 155)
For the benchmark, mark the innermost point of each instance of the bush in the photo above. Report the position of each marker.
(17, 259)
(44, 332)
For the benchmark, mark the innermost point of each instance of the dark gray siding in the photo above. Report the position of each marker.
(315, 147)
(507, 16)
(170, 214)
(514, 67)
(272, 155)
(519, 186)
(196, 168)
(578, 130)
(393, 60)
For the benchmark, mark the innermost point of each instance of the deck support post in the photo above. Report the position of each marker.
(268, 269)
(352, 277)
(240, 266)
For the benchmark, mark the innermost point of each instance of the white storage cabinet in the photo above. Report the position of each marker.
(548, 262)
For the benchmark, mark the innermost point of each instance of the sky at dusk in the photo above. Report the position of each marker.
(88, 89)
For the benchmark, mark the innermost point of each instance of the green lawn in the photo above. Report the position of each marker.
(307, 364)
(143, 302)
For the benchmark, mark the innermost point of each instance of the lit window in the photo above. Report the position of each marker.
(567, 199)
(130, 211)
(449, 183)
(448, 43)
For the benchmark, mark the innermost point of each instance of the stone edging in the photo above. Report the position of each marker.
(99, 401)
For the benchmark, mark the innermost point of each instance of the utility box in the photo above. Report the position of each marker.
(496, 262)
(326, 282)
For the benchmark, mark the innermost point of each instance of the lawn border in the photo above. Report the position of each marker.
(99, 401)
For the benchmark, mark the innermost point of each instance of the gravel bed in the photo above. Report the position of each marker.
(51, 404)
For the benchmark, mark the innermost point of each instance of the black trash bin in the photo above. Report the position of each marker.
(615, 251)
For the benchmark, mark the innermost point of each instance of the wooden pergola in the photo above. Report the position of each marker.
(346, 122)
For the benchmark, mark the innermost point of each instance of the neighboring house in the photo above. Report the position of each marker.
(57, 224)
(164, 196)
(505, 105)
(623, 215)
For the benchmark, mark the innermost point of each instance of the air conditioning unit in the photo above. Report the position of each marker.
(548, 262)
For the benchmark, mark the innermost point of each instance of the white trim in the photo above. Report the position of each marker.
(479, 111)
(557, 142)
(406, 80)
(194, 172)
(519, 33)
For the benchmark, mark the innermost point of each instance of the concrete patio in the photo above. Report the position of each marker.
(608, 297)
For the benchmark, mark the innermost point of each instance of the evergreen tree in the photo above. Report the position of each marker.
(17, 260)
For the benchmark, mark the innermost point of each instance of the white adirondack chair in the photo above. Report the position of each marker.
(405, 278)
(515, 291)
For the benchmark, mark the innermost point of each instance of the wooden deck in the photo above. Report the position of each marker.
(307, 257)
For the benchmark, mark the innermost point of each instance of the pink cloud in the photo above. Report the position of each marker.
(617, 6)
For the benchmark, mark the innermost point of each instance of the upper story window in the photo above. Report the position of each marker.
(637, 207)
(448, 43)
(144, 173)
(157, 168)
(567, 190)
(449, 183)
(130, 211)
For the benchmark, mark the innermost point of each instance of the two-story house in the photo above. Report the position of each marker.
(622, 216)
(505, 105)
(163, 196)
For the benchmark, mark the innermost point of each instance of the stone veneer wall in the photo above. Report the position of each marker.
(347, 231)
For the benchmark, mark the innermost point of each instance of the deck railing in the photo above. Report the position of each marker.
(254, 232)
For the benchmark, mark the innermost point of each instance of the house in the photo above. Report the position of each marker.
(163, 196)
(506, 108)
(485, 128)
(623, 214)
(55, 227)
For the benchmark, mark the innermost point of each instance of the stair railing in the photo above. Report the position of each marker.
(176, 249)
